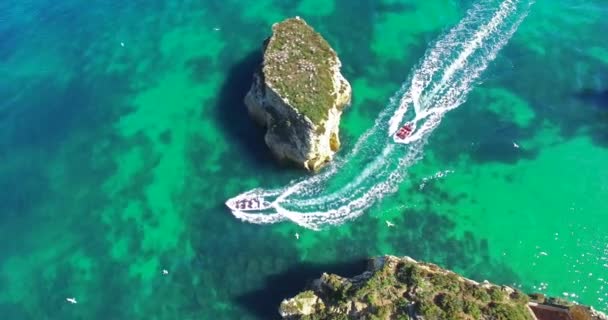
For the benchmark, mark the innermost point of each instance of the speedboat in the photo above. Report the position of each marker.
(405, 131)
(248, 203)
(256, 206)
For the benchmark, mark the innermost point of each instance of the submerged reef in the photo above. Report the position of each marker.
(402, 288)
(299, 94)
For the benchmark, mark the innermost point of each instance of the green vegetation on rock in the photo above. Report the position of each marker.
(403, 287)
(298, 64)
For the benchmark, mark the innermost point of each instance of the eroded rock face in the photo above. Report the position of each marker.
(299, 95)
(402, 288)
(305, 303)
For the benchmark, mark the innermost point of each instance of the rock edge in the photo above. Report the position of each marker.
(402, 288)
(299, 94)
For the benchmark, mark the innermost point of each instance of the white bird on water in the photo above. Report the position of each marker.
(297, 236)
(122, 44)
(165, 272)
(515, 145)
(389, 224)
(71, 300)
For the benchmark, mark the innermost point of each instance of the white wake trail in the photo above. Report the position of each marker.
(474, 44)
(378, 164)
(442, 51)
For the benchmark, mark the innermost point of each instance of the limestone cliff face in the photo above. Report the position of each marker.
(299, 94)
(402, 288)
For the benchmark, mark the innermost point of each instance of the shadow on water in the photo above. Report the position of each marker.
(246, 136)
(265, 301)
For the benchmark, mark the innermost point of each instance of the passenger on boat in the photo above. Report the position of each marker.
(405, 131)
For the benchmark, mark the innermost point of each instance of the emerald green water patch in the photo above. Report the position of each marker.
(316, 7)
(537, 227)
(122, 133)
(369, 99)
(508, 106)
(265, 11)
(599, 53)
(191, 41)
(396, 33)
(569, 16)
(158, 213)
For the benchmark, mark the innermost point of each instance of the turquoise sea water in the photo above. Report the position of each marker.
(122, 132)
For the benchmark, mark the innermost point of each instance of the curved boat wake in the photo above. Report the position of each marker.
(379, 160)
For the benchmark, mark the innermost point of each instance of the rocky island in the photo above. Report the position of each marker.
(299, 94)
(402, 288)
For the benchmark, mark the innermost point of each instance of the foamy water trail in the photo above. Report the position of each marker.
(378, 163)
(473, 45)
(442, 51)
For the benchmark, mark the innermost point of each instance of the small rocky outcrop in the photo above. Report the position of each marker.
(299, 94)
(402, 288)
